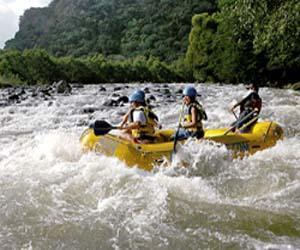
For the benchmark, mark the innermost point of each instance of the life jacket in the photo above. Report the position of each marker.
(251, 102)
(201, 115)
(148, 128)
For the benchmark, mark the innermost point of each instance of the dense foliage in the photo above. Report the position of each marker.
(128, 40)
(247, 41)
(37, 67)
(110, 27)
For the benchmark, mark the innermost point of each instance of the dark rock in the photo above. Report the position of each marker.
(45, 91)
(89, 110)
(115, 95)
(110, 103)
(123, 99)
(102, 89)
(179, 91)
(146, 90)
(165, 91)
(62, 87)
(3, 103)
(152, 98)
(117, 88)
(13, 97)
(169, 99)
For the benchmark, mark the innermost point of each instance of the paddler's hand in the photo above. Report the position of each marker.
(256, 111)
(122, 126)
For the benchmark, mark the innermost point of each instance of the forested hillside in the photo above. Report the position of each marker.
(157, 40)
(128, 28)
(247, 41)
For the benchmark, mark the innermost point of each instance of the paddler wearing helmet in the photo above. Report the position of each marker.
(193, 114)
(139, 123)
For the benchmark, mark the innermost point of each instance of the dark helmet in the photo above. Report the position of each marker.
(190, 91)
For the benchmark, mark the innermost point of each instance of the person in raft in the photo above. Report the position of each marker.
(138, 124)
(250, 107)
(193, 114)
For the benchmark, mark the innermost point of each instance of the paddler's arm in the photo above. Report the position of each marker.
(125, 119)
(236, 105)
(132, 125)
(241, 102)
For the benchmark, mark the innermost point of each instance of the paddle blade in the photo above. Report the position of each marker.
(101, 127)
(101, 124)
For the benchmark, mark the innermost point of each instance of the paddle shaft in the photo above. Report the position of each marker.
(244, 118)
(248, 123)
(267, 131)
(177, 131)
(236, 117)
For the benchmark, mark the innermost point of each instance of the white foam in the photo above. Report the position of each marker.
(52, 190)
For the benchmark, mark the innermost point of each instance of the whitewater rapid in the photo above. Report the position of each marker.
(52, 196)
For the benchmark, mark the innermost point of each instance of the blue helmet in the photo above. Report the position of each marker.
(139, 92)
(190, 91)
(137, 96)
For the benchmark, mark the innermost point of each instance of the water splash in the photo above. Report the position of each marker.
(53, 196)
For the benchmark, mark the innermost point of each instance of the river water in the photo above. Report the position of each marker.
(54, 197)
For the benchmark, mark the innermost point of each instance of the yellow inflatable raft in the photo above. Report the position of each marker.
(262, 135)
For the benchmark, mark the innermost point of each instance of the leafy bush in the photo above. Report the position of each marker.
(247, 41)
(37, 67)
